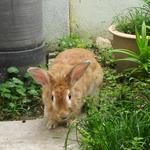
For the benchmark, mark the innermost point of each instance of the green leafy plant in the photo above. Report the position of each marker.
(73, 41)
(19, 97)
(118, 118)
(147, 1)
(136, 144)
(142, 57)
(13, 70)
(116, 130)
(105, 57)
(134, 17)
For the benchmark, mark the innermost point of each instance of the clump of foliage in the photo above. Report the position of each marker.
(105, 57)
(134, 17)
(20, 98)
(118, 117)
(147, 2)
(142, 57)
(73, 41)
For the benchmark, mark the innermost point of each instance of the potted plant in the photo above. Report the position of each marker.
(141, 58)
(123, 31)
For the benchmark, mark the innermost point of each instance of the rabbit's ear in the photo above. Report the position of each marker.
(76, 72)
(40, 75)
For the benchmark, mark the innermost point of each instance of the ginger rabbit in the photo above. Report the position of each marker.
(74, 74)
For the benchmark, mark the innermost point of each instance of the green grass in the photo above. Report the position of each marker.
(133, 17)
(119, 117)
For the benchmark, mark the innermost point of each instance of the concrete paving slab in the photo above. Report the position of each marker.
(33, 135)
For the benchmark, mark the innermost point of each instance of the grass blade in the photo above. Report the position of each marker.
(127, 52)
(128, 59)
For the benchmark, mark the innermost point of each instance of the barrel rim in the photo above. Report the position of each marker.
(27, 50)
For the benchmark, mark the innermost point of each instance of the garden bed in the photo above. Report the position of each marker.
(20, 97)
(119, 117)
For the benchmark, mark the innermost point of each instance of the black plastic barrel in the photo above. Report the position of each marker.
(21, 38)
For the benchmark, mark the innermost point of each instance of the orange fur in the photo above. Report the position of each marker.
(90, 80)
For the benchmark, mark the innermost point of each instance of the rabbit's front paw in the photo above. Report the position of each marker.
(51, 125)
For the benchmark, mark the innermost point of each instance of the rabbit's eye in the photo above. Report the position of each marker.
(68, 98)
(52, 98)
(69, 95)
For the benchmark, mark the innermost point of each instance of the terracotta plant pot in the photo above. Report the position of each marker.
(123, 41)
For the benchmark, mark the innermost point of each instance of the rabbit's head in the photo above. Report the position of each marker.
(57, 94)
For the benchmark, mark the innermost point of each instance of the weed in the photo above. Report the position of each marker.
(73, 41)
(19, 98)
(118, 118)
